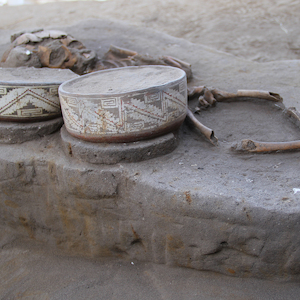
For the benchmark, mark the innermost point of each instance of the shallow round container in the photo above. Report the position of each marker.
(125, 104)
(31, 94)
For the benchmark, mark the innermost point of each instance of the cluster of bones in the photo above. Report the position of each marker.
(57, 49)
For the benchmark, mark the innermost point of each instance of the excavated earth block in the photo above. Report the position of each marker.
(112, 153)
(200, 206)
(17, 133)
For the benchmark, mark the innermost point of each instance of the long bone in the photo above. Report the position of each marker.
(56, 49)
(206, 131)
(264, 147)
(293, 114)
(120, 57)
(209, 96)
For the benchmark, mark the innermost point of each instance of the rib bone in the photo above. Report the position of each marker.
(207, 132)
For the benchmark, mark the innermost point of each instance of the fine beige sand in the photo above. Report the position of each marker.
(258, 30)
(33, 75)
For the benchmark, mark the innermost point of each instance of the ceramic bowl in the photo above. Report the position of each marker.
(31, 94)
(125, 104)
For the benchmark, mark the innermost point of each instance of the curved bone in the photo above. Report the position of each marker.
(124, 57)
(293, 113)
(207, 132)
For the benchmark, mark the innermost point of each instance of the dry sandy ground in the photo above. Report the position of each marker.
(259, 30)
(32, 272)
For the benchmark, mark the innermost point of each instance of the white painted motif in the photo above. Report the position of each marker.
(28, 102)
(3, 91)
(125, 114)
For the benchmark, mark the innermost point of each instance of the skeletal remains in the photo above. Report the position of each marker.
(57, 49)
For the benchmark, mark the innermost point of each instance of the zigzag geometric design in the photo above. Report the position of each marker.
(129, 113)
(29, 102)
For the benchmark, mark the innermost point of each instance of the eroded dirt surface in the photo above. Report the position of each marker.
(248, 29)
(32, 272)
(262, 30)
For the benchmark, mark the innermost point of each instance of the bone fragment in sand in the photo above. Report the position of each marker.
(207, 132)
(294, 114)
(211, 95)
(263, 147)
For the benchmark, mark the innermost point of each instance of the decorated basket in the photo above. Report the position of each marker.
(31, 94)
(125, 104)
